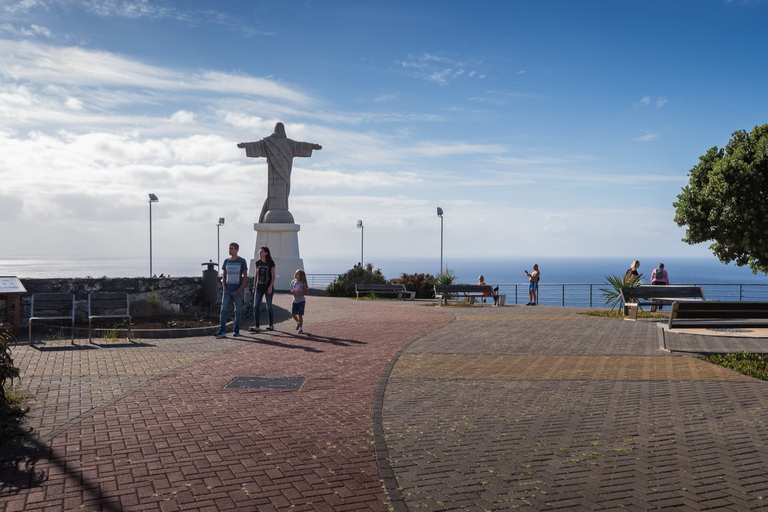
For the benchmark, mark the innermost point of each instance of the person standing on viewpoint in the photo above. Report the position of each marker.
(263, 286)
(299, 290)
(533, 285)
(233, 279)
(660, 277)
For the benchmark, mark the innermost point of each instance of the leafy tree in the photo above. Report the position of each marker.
(726, 200)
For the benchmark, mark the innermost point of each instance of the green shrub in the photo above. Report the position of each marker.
(344, 285)
(422, 284)
(154, 299)
(7, 370)
(754, 365)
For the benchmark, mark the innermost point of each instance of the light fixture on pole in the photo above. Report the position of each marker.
(362, 229)
(152, 199)
(218, 242)
(440, 214)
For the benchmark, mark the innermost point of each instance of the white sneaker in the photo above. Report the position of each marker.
(301, 330)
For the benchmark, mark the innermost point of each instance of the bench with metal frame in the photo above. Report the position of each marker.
(443, 292)
(52, 306)
(634, 297)
(718, 314)
(384, 289)
(108, 305)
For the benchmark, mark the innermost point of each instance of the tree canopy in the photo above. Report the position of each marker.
(726, 200)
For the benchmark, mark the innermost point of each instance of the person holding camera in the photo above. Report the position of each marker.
(533, 285)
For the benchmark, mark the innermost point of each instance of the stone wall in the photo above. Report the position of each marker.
(181, 296)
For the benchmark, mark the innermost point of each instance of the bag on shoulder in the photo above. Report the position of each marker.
(658, 274)
(628, 274)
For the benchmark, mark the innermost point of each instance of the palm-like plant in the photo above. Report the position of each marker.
(612, 294)
(447, 277)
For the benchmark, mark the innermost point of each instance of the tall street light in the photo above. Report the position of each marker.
(362, 229)
(440, 214)
(152, 199)
(218, 242)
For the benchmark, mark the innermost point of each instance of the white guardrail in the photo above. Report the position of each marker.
(590, 295)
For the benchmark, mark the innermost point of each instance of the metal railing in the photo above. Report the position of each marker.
(590, 294)
(320, 280)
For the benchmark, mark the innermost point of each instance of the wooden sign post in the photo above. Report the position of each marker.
(11, 287)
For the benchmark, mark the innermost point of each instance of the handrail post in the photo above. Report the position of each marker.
(563, 295)
(741, 286)
(590, 295)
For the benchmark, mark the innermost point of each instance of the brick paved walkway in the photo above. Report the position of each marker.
(175, 439)
(546, 410)
(484, 409)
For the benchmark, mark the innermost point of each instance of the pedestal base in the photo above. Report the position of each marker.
(283, 243)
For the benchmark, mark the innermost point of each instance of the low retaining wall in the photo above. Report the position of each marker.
(176, 295)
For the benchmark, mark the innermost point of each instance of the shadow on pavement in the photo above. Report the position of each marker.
(18, 468)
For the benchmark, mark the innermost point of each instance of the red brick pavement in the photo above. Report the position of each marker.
(185, 443)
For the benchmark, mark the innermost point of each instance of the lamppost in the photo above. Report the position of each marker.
(440, 214)
(362, 229)
(152, 199)
(218, 242)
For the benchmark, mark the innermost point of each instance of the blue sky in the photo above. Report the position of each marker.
(551, 128)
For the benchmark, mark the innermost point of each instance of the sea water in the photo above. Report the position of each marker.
(495, 270)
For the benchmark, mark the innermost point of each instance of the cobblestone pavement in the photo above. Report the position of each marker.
(474, 409)
(543, 409)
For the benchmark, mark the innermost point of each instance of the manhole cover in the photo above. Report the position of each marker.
(730, 330)
(282, 383)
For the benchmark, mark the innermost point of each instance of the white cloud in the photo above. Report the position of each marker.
(32, 31)
(183, 117)
(27, 61)
(438, 69)
(647, 138)
(22, 6)
(661, 102)
(387, 97)
(645, 100)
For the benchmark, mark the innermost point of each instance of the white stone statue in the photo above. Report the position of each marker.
(279, 151)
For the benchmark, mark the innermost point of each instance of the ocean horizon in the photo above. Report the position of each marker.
(495, 270)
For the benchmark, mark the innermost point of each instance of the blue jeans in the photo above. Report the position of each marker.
(227, 298)
(257, 306)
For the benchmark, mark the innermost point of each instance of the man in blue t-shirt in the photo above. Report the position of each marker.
(233, 279)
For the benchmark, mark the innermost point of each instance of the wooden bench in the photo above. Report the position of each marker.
(108, 305)
(443, 292)
(635, 297)
(52, 306)
(384, 289)
(718, 314)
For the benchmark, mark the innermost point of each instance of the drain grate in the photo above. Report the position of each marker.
(279, 383)
(730, 330)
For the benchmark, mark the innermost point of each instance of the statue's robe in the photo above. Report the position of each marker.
(279, 152)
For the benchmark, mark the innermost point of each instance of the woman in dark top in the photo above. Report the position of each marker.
(263, 286)
(632, 271)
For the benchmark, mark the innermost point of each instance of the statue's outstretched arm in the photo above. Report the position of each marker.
(318, 147)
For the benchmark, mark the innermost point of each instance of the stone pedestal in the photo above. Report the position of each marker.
(283, 243)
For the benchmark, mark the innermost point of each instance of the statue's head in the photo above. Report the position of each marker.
(279, 130)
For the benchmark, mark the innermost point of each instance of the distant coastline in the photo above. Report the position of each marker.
(495, 270)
